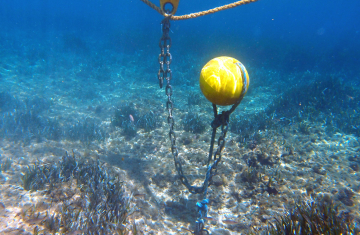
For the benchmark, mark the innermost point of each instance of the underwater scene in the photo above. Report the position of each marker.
(119, 118)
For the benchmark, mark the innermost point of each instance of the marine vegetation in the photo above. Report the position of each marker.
(24, 121)
(193, 123)
(317, 217)
(251, 175)
(95, 204)
(122, 115)
(37, 176)
(8, 102)
(327, 99)
(84, 130)
(148, 121)
(194, 98)
(5, 164)
(129, 130)
(125, 117)
(355, 162)
(248, 126)
(129, 119)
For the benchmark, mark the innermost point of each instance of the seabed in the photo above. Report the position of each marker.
(265, 170)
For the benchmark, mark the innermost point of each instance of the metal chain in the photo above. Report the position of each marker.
(219, 120)
(223, 121)
(165, 57)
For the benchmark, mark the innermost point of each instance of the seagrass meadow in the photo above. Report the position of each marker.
(84, 133)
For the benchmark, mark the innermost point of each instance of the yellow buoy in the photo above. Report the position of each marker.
(224, 80)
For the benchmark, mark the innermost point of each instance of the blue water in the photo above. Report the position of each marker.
(83, 75)
(312, 35)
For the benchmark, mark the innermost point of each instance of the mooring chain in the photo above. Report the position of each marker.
(165, 73)
(165, 56)
(219, 120)
(223, 121)
(165, 59)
